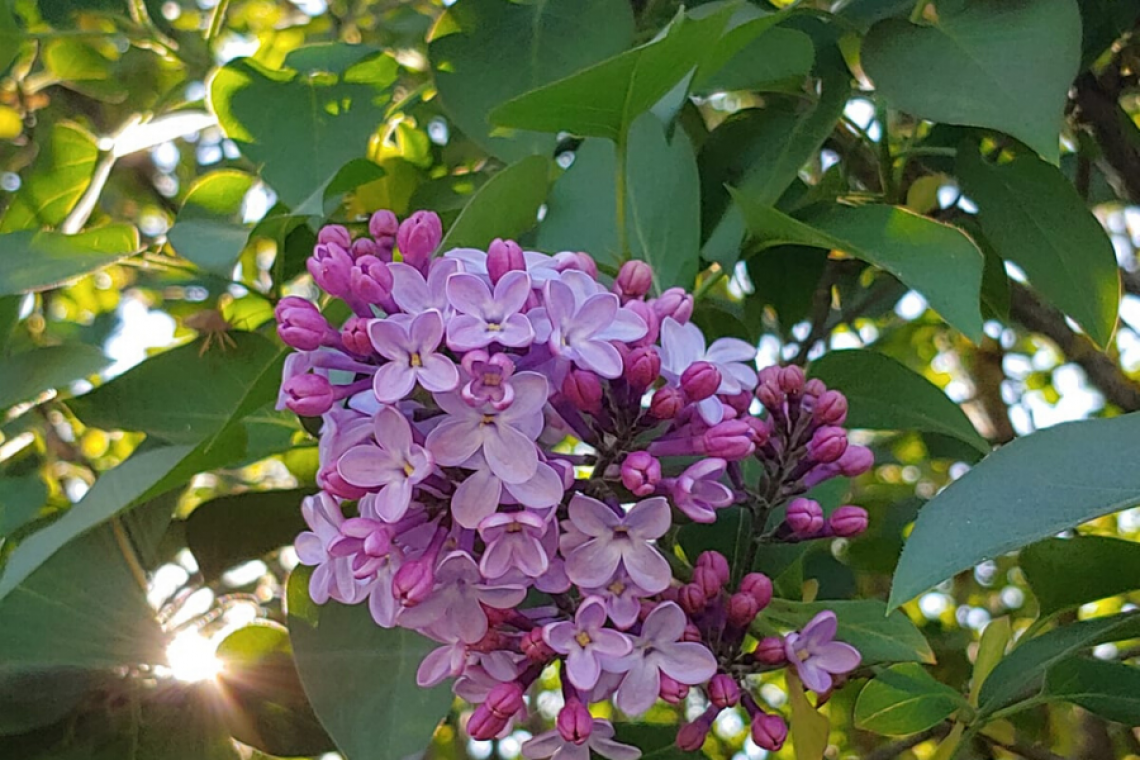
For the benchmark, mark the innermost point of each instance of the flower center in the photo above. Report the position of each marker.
(494, 327)
(409, 469)
(621, 532)
(582, 638)
(488, 419)
(803, 655)
(415, 360)
(616, 588)
(492, 379)
(514, 528)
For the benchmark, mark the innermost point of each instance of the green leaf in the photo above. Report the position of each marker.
(1108, 689)
(604, 100)
(20, 500)
(32, 699)
(729, 535)
(10, 38)
(784, 277)
(229, 530)
(991, 649)
(1027, 490)
(505, 207)
(1006, 66)
(494, 50)
(183, 722)
(1035, 218)
(209, 230)
(904, 699)
(1067, 572)
(9, 318)
(58, 178)
(810, 728)
(863, 623)
(586, 190)
(39, 260)
(655, 740)
(26, 375)
(389, 716)
(884, 394)
(755, 55)
(937, 260)
(1022, 671)
(299, 129)
(327, 57)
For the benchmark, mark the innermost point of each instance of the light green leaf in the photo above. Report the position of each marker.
(10, 38)
(863, 623)
(57, 180)
(809, 727)
(884, 394)
(905, 699)
(20, 500)
(26, 375)
(991, 649)
(505, 207)
(229, 530)
(1108, 689)
(31, 260)
(493, 50)
(1006, 66)
(1067, 572)
(209, 230)
(390, 716)
(1027, 490)
(604, 100)
(1035, 218)
(939, 261)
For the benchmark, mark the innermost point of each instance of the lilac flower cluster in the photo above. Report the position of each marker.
(498, 471)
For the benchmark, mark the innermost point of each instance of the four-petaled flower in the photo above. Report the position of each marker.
(455, 608)
(551, 745)
(485, 318)
(682, 345)
(698, 491)
(614, 541)
(514, 540)
(394, 465)
(412, 357)
(815, 654)
(585, 642)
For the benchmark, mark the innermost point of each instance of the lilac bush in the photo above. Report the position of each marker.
(508, 449)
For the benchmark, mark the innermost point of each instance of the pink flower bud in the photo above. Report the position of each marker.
(329, 479)
(723, 691)
(413, 582)
(418, 237)
(761, 429)
(584, 390)
(692, 633)
(742, 610)
(309, 395)
(505, 700)
(364, 247)
(354, 336)
(504, 256)
(673, 692)
(709, 581)
(575, 723)
(772, 398)
(741, 402)
(769, 731)
(640, 473)
(693, 599)
(330, 266)
(805, 517)
(759, 587)
(675, 303)
(814, 387)
(642, 367)
(691, 736)
(770, 651)
(484, 725)
(651, 320)
(855, 461)
(848, 521)
(827, 444)
(791, 380)
(370, 280)
(576, 260)
(699, 381)
(667, 403)
(634, 279)
(718, 563)
(731, 440)
(535, 648)
(831, 408)
(300, 324)
(335, 233)
(383, 225)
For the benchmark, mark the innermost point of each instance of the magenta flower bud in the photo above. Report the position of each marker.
(693, 599)
(642, 367)
(805, 517)
(791, 380)
(505, 700)
(742, 610)
(673, 692)
(364, 247)
(740, 402)
(831, 408)
(413, 582)
(675, 303)
(814, 387)
(330, 266)
(504, 256)
(759, 587)
(640, 473)
(770, 651)
(699, 381)
(761, 429)
(584, 390)
(667, 403)
(575, 723)
(300, 324)
(827, 444)
(309, 395)
(691, 736)
(418, 237)
(382, 225)
(634, 280)
(855, 461)
(731, 440)
(709, 581)
(652, 322)
(484, 725)
(330, 480)
(354, 336)
(769, 731)
(535, 648)
(371, 280)
(772, 398)
(582, 262)
(335, 233)
(723, 691)
(717, 562)
(848, 521)
(692, 633)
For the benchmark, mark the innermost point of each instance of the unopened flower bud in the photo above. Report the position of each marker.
(651, 320)
(855, 461)
(828, 444)
(534, 646)
(709, 581)
(505, 699)
(331, 267)
(770, 651)
(693, 599)
(300, 324)
(672, 691)
(741, 402)
(584, 390)
(329, 479)
(575, 723)
(814, 387)
(675, 303)
(805, 517)
(634, 279)
(718, 562)
(723, 691)
(731, 440)
(791, 380)
(484, 725)
(418, 237)
(692, 633)
(413, 583)
(383, 225)
(335, 233)
(309, 395)
(699, 381)
(831, 408)
(772, 398)
(354, 336)
(691, 736)
(761, 429)
(642, 366)
(370, 280)
(769, 731)
(504, 256)
(640, 473)
(848, 521)
(667, 403)
(742, 610)
(582, 262)
(364, 247)
(759, 587)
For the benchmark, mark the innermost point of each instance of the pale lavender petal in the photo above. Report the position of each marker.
(744, 375)
(510, 454)
(382, 603)
(438, 373)
(321, 583)
(646, 567)
(593, 564)
(390, 339)
(560, 636)
(470, 295)
(497, 559)
(393, 500)
(598, 356)
(608, 748)
(591, 516)
(511, 292)
(592, 613)
(476, 497)
(515, 331)
(393, 431)
(540, 321)
(531, 393)
(393, 382)
(409, 289)
(543, 746)
(435, 668)
(530, 557)
(467, 619)
(819, 630)
(639, 688)
(712, 411)
(837, 657)
(310, 549)
(624, 610)
(649, 518)
(426, 331)
(681, 345)
(626, 327)
(726, 350)
(542, 490)
(665, 624)
(453, 441)
(582, 668)
(368, 467)
(595, 315)
(688, 662)
(466, 333)
(560, 305)
(815, 678)
(610, 643)
(502, 597)
(712, 493)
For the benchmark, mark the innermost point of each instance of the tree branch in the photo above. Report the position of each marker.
(1099, 110)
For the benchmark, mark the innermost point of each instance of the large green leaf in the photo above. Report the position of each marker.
(604, 100)
(905, 699)
(1027, 490)
(495, 50)
(586, 190)
(31, 699)
(863, 623)
(1108, 689)
(20, 500)
(505, 207)
(182, 722)
(1022, 671)
(937, 260)
(1067, 572)
(1034, 217)
(756, 55)
(38, 260)
(300, 128)
(230, 530)
(209, 230)
(389, 716)
(57, 180)
(1007, 66)
(26, 375)
(884, 394)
